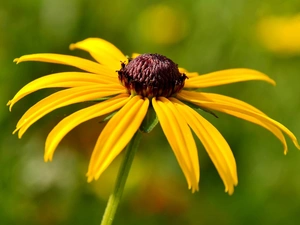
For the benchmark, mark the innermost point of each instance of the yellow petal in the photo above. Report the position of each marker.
(226, 77)
(225, 99)
(84, 64)
(209, 97)
(134, 55)
(241, 110)
(68, 123)
(63, 98)
(116, 135)
(102, 51)
(64, 80)
(214, 143)
(180, 139)
(188, 74)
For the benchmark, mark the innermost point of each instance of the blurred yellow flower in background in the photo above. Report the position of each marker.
(280, 34)
(165, 24)
(127, 90)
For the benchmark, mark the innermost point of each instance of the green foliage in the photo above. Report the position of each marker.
(215, 35)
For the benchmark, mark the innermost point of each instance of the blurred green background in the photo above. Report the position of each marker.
(201, 36)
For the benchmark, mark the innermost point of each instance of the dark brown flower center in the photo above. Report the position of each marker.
(151, 75)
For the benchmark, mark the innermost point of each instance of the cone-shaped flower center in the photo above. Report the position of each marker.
(151, 75)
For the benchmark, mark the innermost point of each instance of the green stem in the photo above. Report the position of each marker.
(115, 197)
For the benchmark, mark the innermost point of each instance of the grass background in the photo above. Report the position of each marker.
(201, 36)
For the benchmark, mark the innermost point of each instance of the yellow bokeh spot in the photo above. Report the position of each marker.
(163, 24)
(280, 35)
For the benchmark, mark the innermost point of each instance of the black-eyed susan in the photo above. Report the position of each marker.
(128, 90)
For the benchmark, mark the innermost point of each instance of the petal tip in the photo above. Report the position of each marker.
(10, 104)
(48, 157)
(296, 144)
(15, 131)
(16, 60)
(90, 178)
(72, 46)
(273, 82)
(236, 182)
(195, 189)
(230, 191)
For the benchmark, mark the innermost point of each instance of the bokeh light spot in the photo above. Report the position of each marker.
(163, 24)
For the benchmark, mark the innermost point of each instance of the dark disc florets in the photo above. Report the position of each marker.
(151, 75)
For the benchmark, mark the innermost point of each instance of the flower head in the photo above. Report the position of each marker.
(151, 75)
(127, 90)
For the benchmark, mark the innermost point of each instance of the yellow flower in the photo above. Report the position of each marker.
(280, 34)
(166, 24)
(127, 90)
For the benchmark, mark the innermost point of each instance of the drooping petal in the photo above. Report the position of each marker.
(102, 51)
(84, 64)
(180, 139)
(225, 99)
(214, 143)
(116, 135)
(241, 110)
(63, 98)
(226, 77)
(210, 97)
(70, 122)
(63, 80)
